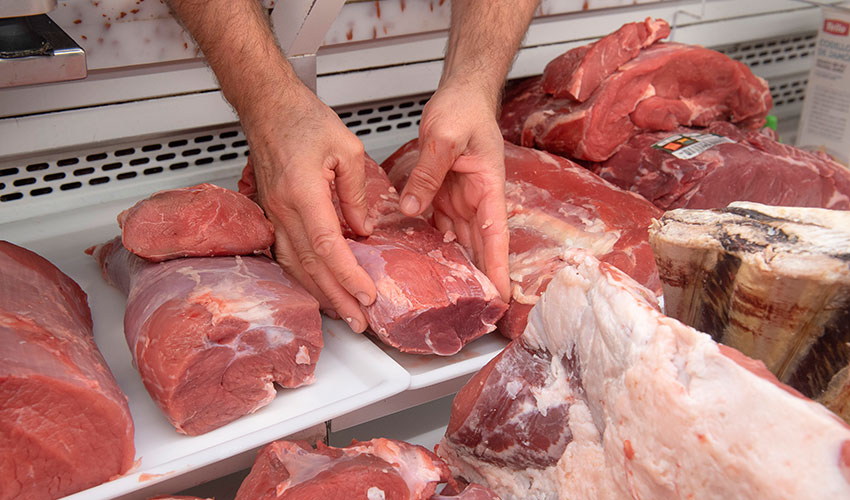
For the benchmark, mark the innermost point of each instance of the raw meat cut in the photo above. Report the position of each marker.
(666, 85)
(199, 221)
(210, 335)
(578, 72)
(772, 282)
(712, 171)
(615, 400)
(431, 299)
(64, 422)
(554, 204)
(370, 470)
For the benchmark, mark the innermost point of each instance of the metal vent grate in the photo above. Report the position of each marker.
(772, 51)
(97, 169)
(389, 116)
(789, 91)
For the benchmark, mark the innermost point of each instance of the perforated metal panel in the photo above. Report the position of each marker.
(772, 51)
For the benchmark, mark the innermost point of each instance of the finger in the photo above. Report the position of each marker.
(350, 182)
(492, 228)
(339, 298)
(285, 255)
(436, 157)
(324, 238)
(464, 235)
(444, 223)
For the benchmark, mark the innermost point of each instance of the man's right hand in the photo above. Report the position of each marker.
(301, 151)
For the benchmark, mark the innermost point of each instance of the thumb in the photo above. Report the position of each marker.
(435, 160)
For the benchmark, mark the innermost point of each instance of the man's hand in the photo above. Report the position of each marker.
(462, 169)
(301, 151)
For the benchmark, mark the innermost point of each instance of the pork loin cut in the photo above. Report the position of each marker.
(554, 204)
(431, 299)
(378, 469)
(666, 85)
(772, 282)
(614, 400)
(577, 73)
(64, 423)
(210, 336)
(199, 221)
(710, 168)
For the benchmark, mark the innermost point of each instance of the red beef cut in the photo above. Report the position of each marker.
(64, 423)
(198, 221)
(378, 469)
(577, 73)
(210, 336)
(751, 166)
(431, 298)
(665, 86)
(554, 204)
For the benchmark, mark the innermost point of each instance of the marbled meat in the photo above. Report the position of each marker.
(710, 168)
(211, 335)
(553, 205)
(605, 397)
(772, 282)
(64, 423)
(664, 86)
(380, 469)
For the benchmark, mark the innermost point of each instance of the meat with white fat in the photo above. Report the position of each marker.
(647, 406)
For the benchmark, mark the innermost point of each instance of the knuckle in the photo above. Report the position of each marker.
(310, 262)
(324, 242)
(427, 179)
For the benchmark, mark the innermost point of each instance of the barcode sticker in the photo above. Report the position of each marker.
(685, 146)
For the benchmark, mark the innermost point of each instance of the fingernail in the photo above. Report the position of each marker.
(369, 225)
(353, 323)
(362, 297)
(410, 205)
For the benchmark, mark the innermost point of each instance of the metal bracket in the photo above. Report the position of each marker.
(300, 28)
(675, 23)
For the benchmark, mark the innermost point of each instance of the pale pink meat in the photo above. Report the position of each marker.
(64, 423)
(605, 397)
(554, 204)
(210, 336)
(198, 221)
(431, 299)
(753, 166)
(665, 86)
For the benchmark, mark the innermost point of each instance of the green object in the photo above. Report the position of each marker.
(771, 122)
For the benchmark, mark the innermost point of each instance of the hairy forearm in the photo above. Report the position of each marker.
(239, 46)
(483, 40)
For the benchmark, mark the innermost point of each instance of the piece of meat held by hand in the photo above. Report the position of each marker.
(64, 423)
(772, 282)
(431, 298)
(210, 336)
(646, 407)
(553, 205)
(199, 221)
(378, 469)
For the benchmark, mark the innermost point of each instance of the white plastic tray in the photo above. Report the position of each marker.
(430, 370)
(351, 373)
